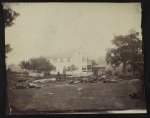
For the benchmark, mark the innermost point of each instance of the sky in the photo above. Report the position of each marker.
(46, 29)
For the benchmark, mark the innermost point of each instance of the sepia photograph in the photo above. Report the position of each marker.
(68, 58)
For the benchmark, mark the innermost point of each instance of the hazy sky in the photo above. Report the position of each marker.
(43, 29)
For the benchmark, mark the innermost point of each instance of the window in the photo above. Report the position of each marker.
(89, 66)
(83, 67)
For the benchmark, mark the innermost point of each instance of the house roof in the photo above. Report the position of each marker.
(69, 54)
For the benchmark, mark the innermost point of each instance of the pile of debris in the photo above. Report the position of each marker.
(73, 81)
(82, 80)
(51, 80)
(110, 80)
(136, 96)
(26, 86)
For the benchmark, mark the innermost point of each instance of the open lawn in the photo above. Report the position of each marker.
(61, 97)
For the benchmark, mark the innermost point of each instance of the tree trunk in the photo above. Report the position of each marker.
(134, 70)
(124, 67)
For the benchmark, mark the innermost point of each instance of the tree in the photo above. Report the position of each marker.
(25, 65)
(128, 50)
(7, 49)
(9, 17)
(39, 64)
(109, 72)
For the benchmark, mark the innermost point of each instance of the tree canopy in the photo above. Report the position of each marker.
(9, 17)
(7, 49)
(39, 64)
(128, 50)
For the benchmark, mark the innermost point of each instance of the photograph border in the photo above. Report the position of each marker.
(145, 35)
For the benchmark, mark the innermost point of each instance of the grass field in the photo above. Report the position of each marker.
(61, 97)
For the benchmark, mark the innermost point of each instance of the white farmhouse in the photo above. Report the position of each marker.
(77, 64)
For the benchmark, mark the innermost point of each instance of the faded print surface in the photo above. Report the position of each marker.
(61, 58)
